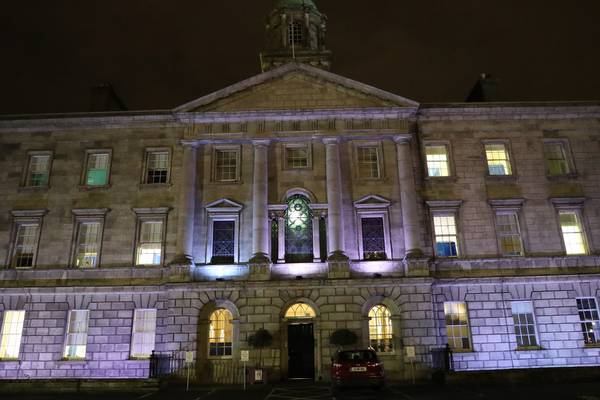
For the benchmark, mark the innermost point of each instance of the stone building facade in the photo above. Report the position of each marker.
(300, 202)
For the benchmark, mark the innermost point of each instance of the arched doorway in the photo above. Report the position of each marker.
(300, 341)
(298, 230)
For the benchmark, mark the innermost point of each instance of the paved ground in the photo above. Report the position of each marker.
(563, 391)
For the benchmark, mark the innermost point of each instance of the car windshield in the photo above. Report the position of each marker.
(357, 356)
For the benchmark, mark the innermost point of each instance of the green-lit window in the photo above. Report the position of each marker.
(97, 169)
(437, 159)
(557, 162)
(498, 160)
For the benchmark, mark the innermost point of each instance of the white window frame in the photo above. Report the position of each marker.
(520, 324)
(150, 215)
(585, 320)
(24, 218)
(87, 216)
(307, 146)
(156, 150)
(449, 159)
(238, 151)
(468, 327)
(84, 175)
(72, 339)
(357, 145)
(373, 206)
(574, 206)
(566, 148)
(11, 336)
(26, 180)
(507, 154)
(223, 210)
(443, 208)
(140, 337)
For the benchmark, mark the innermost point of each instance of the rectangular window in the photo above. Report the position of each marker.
(446, 238)
(150, 243)
(143, 333)
(38, 170)
(557, 162)
(373, 238)
(157, 167)
(76, 340)
(226, 165)
(437, 160)
(223, 242)
(296, 156)
(87, 245)
(26, 244)
(498, 160)
(457, 325)
(97, 169)
(524, 323)
(509, 234)
(590, 322)
(368, 162)
(10, 336)
(572, 232)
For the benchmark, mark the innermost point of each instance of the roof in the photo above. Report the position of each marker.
(295, 3)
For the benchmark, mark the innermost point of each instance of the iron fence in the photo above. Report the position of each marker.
(441, 358)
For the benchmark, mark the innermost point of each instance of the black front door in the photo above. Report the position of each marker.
(301, 351)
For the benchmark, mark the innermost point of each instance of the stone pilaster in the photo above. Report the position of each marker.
(281, 239)
(186, 206)
(260, 261)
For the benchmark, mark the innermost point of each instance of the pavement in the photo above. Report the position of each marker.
(312, 391)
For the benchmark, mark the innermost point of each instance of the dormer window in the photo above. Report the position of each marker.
(295, 34)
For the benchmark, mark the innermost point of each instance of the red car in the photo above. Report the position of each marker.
(357, 368)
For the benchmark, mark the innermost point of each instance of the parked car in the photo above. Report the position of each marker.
(357, 368)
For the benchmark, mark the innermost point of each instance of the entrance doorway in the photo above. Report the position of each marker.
(301, 351)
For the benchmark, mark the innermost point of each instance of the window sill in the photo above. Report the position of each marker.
(90, 188)
(148, 266)
(9, 360)
(23, 268)
(238, 182)
(592, 345)
(462, 351)
(140, 358)
(216, 358)
(73, 360)
(501, 178)
(529, 348)
(155, 186)
(562, 178)
(30, 189)
(441, 179)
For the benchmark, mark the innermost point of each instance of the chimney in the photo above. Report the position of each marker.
(105, 98)
(485, 90)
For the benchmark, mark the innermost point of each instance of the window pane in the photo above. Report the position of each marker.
(220, 333)
(497, 159)
(588, 315)
(457, 325)
(39, 170)
(88, 244)
(143, 333)
(368, 162)
(10, 336)
(556, 159)
(226, 165)
(223, 242)
(26, 244)
(295, 33)
(572, 232)
(509, 234)
(380, 329)
(76, 342)
(373, 238)
(524, 326)
(437, 160)
(296, 157)
(149, 250)
(97, 169)
(445, 235)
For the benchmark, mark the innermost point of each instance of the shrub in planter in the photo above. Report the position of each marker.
(260, 339)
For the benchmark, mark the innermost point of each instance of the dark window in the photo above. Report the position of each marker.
(274, 240)
(223, 242)
(295, 33)
(373, 239)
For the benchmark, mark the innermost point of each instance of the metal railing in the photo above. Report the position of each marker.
(441, 358)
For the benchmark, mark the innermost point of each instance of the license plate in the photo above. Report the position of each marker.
(358, 369)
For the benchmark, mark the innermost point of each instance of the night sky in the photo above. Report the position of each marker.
(160, 54)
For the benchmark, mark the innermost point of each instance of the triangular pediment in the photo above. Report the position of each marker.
(295, 86)
(224, 205)
(372, 201)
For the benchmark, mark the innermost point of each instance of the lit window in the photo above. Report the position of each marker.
(26, 244)
(373, 238)
(509, 234)
(437, 160)
(498, 160)
(368, 162)
(97, 169)
(380, 329)
(226, 165)
(10, 337)
(295, 33)
(220, 333)
(157, 167)
(77, 327)
(590, 322)
(572, 232)
(524, 323)
(296, 157)
(300, 310)
(87, 246)
(150, 243)
(557, 162)
(223, 250)
(38, 170)
(457, 325)
(298, 230)
(143, 333)
(446, 239)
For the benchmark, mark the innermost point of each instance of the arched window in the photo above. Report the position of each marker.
(300, 310)
(220, 333)
(298, 230)
(380, 329)
(295, 33)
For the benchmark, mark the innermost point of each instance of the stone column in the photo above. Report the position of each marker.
(260, 210)
(186, 206)
(316, 239)
(408, 198)
(281, 239)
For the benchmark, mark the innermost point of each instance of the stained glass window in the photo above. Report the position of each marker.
(380, 329)
(220, 333)
(298, 230)
(223, 242)
(300, 310)
(373, 238)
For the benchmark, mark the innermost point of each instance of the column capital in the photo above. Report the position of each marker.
(331, 140)
(402, 139)
(261, 142)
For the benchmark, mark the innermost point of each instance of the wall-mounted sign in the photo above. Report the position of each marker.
(245, 355)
